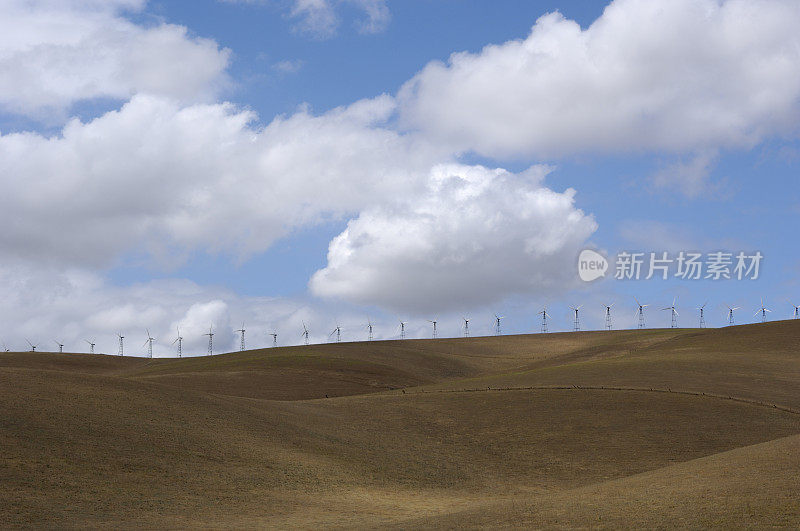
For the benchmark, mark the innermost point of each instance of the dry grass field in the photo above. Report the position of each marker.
(656, 428)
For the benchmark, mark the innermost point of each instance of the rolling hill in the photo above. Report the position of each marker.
(656, 428)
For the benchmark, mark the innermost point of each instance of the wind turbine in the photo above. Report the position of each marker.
(5, 348)
(796, 310)
(497, 319)
(121, 344)
(149, 343)
(338, 332)
(640, 312)
(673, 312)
(577, 326)
(608, 315)
(763, 311)
(466, 326)
(434, 328)
(60, 346)
(274, 339)
(210, 335)
(33, 347)
(305, 332)
(730, 315)
(179, 341)
(402, 330)
(91, 346)
(369, 327)
(544, 315)
(702, 314)
(241, 343)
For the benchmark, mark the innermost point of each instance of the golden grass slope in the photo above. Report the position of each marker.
(413, 437)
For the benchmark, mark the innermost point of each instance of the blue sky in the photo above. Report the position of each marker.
(143, 195)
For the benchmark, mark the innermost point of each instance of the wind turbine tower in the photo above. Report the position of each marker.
(60, 346)
(641, 313)
(149, 343)
(608, 316)
(274, 339)
(702, 315)
(466, 327)
(497, 319)
(121, 344)
(577, 326)
(369, 327)
(210, 335)
(796, 311)
(544, 314)
(402, 330)
(434, 328)
(338, 332)
(91, 346)
(763, 311)
(731, 321)
(674, 313)
(241, 343)
(179, 341)
(305, 333)
(33, 347)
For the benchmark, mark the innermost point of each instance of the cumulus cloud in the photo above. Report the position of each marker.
(161, 179)
(672, 75)
(54, 54)
(472, 237)
(71, 305)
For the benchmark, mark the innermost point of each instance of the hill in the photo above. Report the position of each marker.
(630, 428)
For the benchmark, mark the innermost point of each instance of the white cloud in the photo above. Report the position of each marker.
(160, 179)
(44, 304)
(376, 15)
(691, 177)
(316, 17)
(288, 66)
(473, 237)
(320, 18)
(667, 75)
(54, 54)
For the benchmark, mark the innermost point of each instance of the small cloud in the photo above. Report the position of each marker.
(691, 177)
(377, 15)
(288, 66)
(320, 19)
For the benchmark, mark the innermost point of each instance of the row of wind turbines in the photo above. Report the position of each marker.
(496, 323)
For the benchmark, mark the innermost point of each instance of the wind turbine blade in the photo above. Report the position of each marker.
(676, 312)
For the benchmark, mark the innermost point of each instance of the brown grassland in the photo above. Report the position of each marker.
(655, 428)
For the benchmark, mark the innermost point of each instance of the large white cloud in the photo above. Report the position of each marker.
(163, 179)
(54, 53)
(667, 75)
(46, 304)
(473, 237)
